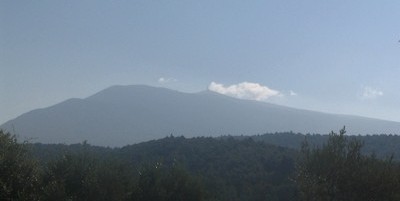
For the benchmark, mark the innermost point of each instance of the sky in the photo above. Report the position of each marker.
(331, 56)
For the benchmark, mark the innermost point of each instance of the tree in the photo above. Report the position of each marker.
(338, 171)
(19, 175)
(157, 182)
(72, 176)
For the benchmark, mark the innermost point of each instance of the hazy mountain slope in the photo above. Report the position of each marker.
(123, 115)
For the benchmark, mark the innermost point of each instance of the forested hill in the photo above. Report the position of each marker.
(228, 169)
(383, 146)
(202, 168)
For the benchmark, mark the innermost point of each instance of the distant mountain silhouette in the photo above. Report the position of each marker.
(122, 115)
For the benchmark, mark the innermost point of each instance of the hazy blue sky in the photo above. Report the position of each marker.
(333, 56)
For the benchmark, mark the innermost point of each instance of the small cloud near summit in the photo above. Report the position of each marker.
(245, 90)
(163, 80)
(371, 93)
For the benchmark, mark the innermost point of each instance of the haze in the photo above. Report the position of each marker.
(331, 56)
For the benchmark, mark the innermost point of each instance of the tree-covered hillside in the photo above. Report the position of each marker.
(203, 168)
(226, 169)
(383, 145)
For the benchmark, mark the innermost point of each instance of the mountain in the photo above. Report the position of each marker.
(122, 115)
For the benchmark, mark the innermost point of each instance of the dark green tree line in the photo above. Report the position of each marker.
(338, 171)
(204, 168)
(19, 174)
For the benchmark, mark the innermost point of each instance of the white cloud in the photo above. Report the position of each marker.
(163, 80)
(371, 93)
(292, 93)
(245, 90)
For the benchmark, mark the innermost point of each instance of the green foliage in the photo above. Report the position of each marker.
(70, 177)
(176, 168)
(381, 145)
(229, 169)
(338, 171)
(19, 176)
(83, 176)
(173, 168)
(160, 183)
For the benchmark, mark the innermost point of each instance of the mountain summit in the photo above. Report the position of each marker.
(122, 115)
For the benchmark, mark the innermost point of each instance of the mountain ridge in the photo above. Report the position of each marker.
(120, 115)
